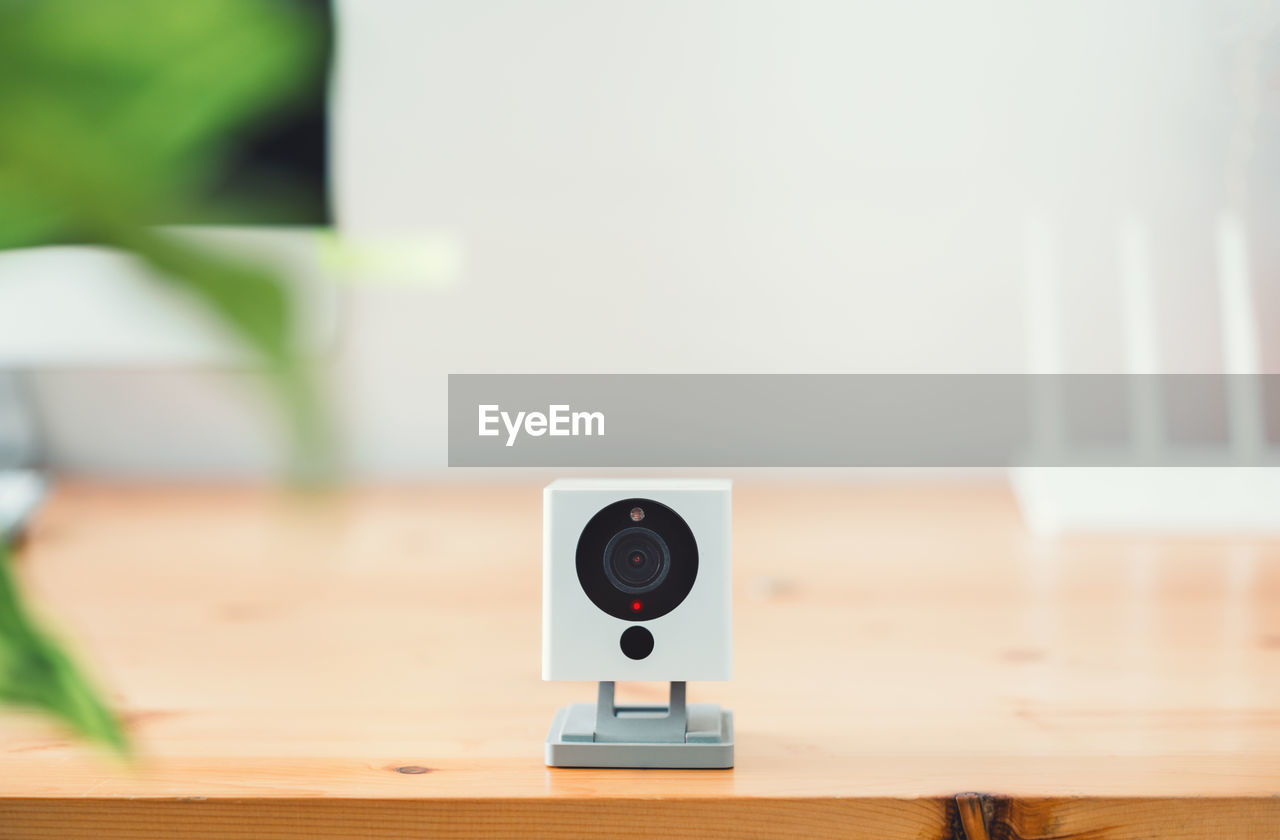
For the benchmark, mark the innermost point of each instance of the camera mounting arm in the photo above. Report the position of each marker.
(641, 724)
(604, 734)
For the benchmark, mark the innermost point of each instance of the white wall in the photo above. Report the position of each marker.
(744, 186)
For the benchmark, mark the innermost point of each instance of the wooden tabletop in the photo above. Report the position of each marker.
(910, 663)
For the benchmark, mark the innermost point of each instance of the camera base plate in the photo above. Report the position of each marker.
(699, 735)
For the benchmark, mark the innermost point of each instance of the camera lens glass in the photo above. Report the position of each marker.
(636, 560)
(633, 567)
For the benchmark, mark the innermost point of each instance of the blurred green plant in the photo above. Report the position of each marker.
(36, 672)
(115, 116)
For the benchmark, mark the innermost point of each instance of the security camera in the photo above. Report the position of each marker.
(636, 586)
(636, 580)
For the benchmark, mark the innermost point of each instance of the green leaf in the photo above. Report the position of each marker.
(121, 111)
(254, 305)
(37, 673)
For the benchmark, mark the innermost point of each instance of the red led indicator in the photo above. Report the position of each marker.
(635, 606)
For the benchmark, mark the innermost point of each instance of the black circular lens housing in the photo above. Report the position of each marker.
(637, 571)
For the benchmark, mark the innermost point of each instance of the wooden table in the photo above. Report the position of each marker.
(910, 664)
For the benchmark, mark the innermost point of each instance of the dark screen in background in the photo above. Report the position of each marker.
(277, 172)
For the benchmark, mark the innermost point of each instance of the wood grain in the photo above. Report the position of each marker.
(975, 812)
(910, 664)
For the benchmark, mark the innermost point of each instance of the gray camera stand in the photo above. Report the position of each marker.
(677, 735)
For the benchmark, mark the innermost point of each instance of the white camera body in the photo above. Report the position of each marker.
(636, 580)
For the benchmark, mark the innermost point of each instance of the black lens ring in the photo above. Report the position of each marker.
(663, 559)
(681, 558)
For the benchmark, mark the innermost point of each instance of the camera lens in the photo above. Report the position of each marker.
(636, 560)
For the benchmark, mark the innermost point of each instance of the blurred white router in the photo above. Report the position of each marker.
(1236, 499)
(71, 306)
(76, 306)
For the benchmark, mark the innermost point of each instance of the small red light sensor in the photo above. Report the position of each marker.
(635, 606)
